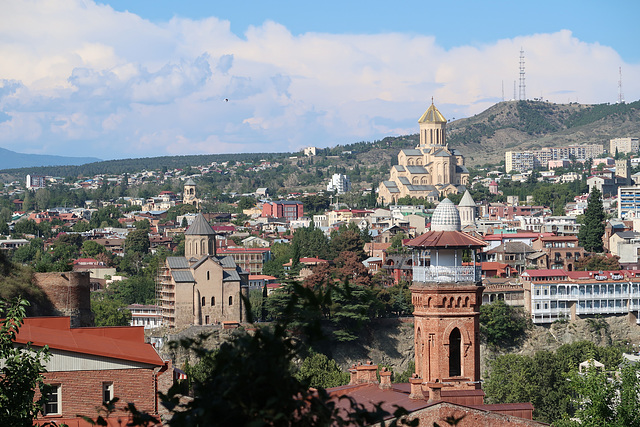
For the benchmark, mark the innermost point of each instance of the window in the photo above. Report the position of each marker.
(204, 301)
(52, 403)
(454, 353)
(107, 392)
(230, 300)
(213, 301)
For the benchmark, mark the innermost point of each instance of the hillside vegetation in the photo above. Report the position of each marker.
(482, 139)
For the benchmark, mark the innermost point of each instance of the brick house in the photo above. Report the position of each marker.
(562, 251)
(287, 209)
(91, 365)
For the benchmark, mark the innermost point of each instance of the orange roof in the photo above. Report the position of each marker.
(446, 239)
(261, 277)
(116, 342)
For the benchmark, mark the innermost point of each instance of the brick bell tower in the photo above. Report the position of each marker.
(447, 296)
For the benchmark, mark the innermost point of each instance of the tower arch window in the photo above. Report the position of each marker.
(208, 276)
(455, 340)
(204, 301)
(213, 301)
(230, 300)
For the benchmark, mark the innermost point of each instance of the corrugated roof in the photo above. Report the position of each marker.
(227, 261)
(176, 262)
(404, 180)
(230, 276)
(446, 239)
(200, 227)
(181, 276)
(399, 168)
(411, 152)
(123, 343)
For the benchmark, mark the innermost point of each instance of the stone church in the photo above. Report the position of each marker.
(202, 287)
(431, 170)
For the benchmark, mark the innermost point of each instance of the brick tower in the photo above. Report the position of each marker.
(447, 297)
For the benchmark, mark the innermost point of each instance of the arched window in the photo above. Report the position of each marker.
(230, 300)
(454, 353)
(208, 278)
(213, 301)
(203, 302)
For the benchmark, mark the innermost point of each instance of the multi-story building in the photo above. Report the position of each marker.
(623, 145)
(36, 181)
(562, 252)
(147, 316)
(339, 183)
(249, 259)
(286, 209)
(628, 202)
(522, 161)
(555, 294)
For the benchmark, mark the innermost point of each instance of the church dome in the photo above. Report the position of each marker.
(446, 217)
(432, 115)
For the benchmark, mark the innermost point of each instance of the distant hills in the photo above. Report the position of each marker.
(482, 139)
(11, 160)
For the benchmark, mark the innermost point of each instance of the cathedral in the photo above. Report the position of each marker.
(431, 170)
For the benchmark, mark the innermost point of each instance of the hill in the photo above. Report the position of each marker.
(482, 139)
(11, 159)
(522, 125)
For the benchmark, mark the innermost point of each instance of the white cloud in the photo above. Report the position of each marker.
(79, 78)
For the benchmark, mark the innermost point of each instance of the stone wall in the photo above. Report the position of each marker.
(69, 292)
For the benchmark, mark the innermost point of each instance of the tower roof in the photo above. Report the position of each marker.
(200, 227)
(446, 217)
(467, 200)
(189, 182)
(432, 115)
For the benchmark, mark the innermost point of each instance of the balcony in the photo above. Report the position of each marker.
(466, 273)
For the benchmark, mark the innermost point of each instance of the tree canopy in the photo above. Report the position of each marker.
(592, 230)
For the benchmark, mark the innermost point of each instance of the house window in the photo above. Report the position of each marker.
(107, 392)
(53, 402)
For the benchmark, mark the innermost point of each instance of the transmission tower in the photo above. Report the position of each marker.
(620, 94)
(522, 95)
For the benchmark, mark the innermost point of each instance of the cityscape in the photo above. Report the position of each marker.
(195, 230)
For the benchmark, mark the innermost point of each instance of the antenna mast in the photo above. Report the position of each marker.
(620, 94)
(522, 95)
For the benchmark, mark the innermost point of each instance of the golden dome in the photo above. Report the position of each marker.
(432, 115)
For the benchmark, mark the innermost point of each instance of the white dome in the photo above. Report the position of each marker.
(446, 217)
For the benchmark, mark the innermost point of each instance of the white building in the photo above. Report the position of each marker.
(339, 183)
(149, 316)
(623, 145)
(36, 181)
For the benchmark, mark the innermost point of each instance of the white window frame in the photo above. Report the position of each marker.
(56, 390)
(107, 387)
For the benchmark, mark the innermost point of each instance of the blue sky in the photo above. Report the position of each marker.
(133, 78)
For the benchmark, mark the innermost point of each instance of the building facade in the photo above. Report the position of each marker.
(339, 183)
(623, 145)
(430, 170)
(286, 209)
(523, 161)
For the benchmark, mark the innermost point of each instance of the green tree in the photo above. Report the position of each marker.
(598, 262)
(502, 325)
(21, 372)
(110, 312)
(318, 370)
(137, 241)
(134, 290)
(592, 229)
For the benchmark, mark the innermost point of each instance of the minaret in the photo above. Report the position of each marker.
(447, 297)
(467, 209)
(199, 239)
(433, 127)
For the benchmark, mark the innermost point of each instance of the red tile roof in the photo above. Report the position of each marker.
(123, 343)
(446, 239)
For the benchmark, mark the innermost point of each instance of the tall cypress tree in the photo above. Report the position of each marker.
(592, 230)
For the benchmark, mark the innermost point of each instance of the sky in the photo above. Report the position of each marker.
(144, 78)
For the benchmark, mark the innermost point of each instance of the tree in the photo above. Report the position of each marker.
(318, 370)
(592, 229)
(603, 399)
(21, 373)
(110, 312)
(502, 325)
(598, 262)
(137, 241)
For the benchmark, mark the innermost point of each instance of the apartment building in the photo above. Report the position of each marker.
(522, 161)
(559, 294)
(624, 145)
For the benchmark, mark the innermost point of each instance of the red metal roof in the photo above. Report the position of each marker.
(446, 239)
(548, 272)
(122, 342)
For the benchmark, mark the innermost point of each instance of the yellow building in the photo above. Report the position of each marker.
(431, 170)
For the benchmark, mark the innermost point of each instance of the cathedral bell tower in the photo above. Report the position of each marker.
(447, 295)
